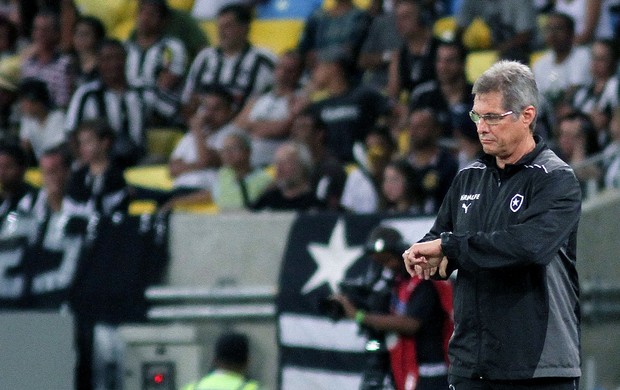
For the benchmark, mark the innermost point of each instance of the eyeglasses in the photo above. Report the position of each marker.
(489, 119)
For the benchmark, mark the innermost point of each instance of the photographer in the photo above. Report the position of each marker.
(417, 322)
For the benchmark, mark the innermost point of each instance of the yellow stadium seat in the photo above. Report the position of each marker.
(479, 61)
(139, 207)
(149, 176)
(277, 35)
(360, 3)
(33, 177)
(210, 29)
(445, 28)
(206, 208)
(118, 16)
(477, 36)
(160, 142)
(183, 5)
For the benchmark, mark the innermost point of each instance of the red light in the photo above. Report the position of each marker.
(158, 378)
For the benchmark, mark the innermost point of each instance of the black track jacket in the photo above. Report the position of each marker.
(511, 234)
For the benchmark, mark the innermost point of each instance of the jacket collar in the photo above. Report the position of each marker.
(527, 159)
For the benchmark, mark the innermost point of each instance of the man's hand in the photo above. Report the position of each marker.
(424, 259)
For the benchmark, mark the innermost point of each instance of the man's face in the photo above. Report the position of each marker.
(91, 148)
(54, 173)
(111, 62)
(287, 70)
(303, 129)
(557, 34)
(503, 139)
(234, 153)
(149, 21)
(217, 111)
(570, 136)
(323, 72)
(448, 65)
(407, 17)
(231, 33)
(44, 32)
(11, 173)
(422, 129)
(288, 167)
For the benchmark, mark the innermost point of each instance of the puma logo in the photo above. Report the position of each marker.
(465, 206)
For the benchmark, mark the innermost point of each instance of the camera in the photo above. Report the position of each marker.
(371, 292)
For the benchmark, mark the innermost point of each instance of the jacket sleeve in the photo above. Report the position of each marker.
(543, 229)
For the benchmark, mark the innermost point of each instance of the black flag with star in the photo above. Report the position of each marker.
(315, 351)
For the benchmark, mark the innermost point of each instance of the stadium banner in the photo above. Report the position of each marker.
(100, 262)
(315, 351)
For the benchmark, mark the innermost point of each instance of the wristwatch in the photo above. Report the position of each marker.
(449, 245)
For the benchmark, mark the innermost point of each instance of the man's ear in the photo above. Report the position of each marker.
(529, 115)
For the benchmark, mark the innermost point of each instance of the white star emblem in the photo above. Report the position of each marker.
(333, 260)
(516, 202)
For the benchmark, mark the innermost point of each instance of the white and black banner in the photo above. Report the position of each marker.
(95, 264)
(317, 352)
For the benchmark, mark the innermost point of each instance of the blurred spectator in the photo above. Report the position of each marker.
(450, 94)
(99, 185)
(349, 112)
(235, 64)
(328, 176)
(46, 62)
(9, 112)
(576, 142)
(29, 9)
(361, 193)
(599, 98)
(291, 188)
(208, 9)
(267, 118)
(468, 145)
(398, 191)
(15, 193)
(413, 63)
(156, 63)
(197, 153)
(88, 34)
(513, 26)
(183, 26)
(55, 166)
(343, 27)
(112, 98)
(41, 125)
(230, 366)
(378, 48)
(8, 38)
(434, 166)
(236, 185)
(592, 18)
(611, 162)
(563, 67)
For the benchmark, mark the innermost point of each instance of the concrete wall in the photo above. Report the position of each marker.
(599, 264)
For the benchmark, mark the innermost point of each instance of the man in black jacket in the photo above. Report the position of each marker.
(508, 225)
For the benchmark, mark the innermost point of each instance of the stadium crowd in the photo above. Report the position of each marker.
(368, 112)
